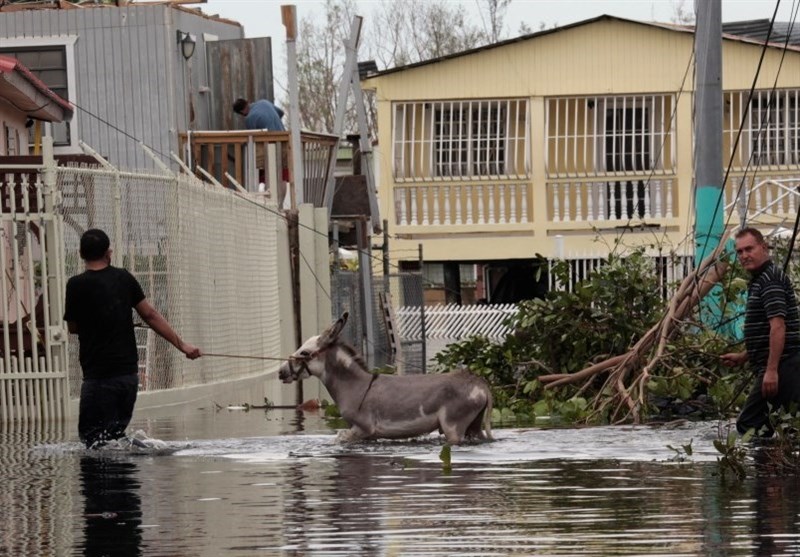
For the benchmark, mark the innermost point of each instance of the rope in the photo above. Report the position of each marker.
(246, 357)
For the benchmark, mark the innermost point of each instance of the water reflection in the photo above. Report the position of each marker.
(267, 484)
(112, 506)
(777, 508)
(35, 501)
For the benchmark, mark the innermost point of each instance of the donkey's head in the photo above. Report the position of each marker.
(309, 359)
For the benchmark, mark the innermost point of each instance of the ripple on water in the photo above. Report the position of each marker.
(592, 491)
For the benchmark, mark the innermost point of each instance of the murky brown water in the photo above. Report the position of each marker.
(235, 483)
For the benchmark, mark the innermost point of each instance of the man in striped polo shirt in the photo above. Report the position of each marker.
(771, 334)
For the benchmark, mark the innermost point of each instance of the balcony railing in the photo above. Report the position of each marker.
(631, 199)
(462, 204)
(258, 159)
(763, 198)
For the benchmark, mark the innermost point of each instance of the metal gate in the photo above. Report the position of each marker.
(33, 341)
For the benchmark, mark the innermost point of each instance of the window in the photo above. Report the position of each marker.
(592, 135)
(627, 139)
(49, 64)
(627, 149)
(469, 139)
(11, 141)
(460, 139)
(775, 128)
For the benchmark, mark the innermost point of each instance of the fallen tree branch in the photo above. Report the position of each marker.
(625, 387)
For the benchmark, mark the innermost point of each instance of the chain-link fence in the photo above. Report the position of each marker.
(385, 343)
(206, 258)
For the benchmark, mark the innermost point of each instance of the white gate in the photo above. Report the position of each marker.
(33, 358)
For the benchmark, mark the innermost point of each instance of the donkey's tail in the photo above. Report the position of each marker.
(487, 416)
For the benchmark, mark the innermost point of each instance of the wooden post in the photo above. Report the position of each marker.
(365, 276)
(292, 220)
(386, 261)
(422, 313)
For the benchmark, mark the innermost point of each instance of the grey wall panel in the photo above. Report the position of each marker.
(129, 73)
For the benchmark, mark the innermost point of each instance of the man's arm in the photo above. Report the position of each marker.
(152, 317)
(734, 358)
(777, 339)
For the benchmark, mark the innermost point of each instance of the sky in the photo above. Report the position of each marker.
(262, 18)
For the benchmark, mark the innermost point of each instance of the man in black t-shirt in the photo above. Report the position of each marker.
(98, 309)
(771, 333)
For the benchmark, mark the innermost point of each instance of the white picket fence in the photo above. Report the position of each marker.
(447, 324)
(454, 322)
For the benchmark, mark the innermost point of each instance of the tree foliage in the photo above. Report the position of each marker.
(416, 30)
(395, 34)
(603, 316)
(320, 64)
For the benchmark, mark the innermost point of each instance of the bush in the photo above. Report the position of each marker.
(563, 332)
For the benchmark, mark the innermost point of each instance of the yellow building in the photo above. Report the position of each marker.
(545, 144)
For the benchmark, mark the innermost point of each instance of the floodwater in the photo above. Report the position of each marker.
(277, 483)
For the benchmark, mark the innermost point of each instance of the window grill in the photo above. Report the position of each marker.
(590, 136)
(461, 139)
(771, 130)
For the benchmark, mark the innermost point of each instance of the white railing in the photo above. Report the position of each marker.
(33, 349)
(454, 322)
(670, 270)
(773, 197)
(470, 204)
(623, 200)
(448, 324)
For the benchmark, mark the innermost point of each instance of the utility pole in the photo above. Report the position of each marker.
(709, 204)
(289, 17)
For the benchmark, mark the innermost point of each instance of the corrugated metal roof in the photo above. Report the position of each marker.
(63, 5)
(759, 29)
(728, 35)
(29, 94)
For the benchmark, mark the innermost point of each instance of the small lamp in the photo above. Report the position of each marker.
(187, 42)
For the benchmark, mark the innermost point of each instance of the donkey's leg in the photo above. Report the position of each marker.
(351, 435)
(454, 430)
(475, 430)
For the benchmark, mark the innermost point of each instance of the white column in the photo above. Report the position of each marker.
(556, 205)
(435, 190)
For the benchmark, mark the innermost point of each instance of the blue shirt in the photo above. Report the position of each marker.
(263, 115)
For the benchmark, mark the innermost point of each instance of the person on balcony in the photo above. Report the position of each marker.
(98, 309)
(263, 115)
(260, 115)
(771, 336)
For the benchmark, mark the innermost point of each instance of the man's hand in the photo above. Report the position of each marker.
(769, 386)
(192, 352)
(734, 358)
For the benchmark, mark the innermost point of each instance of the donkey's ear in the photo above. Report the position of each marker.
(332, 333)
(337, 327)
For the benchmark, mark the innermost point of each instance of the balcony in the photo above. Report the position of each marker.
(255, 160)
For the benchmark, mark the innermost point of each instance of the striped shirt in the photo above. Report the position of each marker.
(769, 294)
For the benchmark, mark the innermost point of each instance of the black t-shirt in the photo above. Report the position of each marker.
(100, 302)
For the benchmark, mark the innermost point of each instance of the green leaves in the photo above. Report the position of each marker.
(444, 456)
(683, 452)
(734, 453)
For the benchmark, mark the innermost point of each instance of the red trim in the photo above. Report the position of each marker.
(10, 65)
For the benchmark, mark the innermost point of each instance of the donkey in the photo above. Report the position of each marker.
(377, 406)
